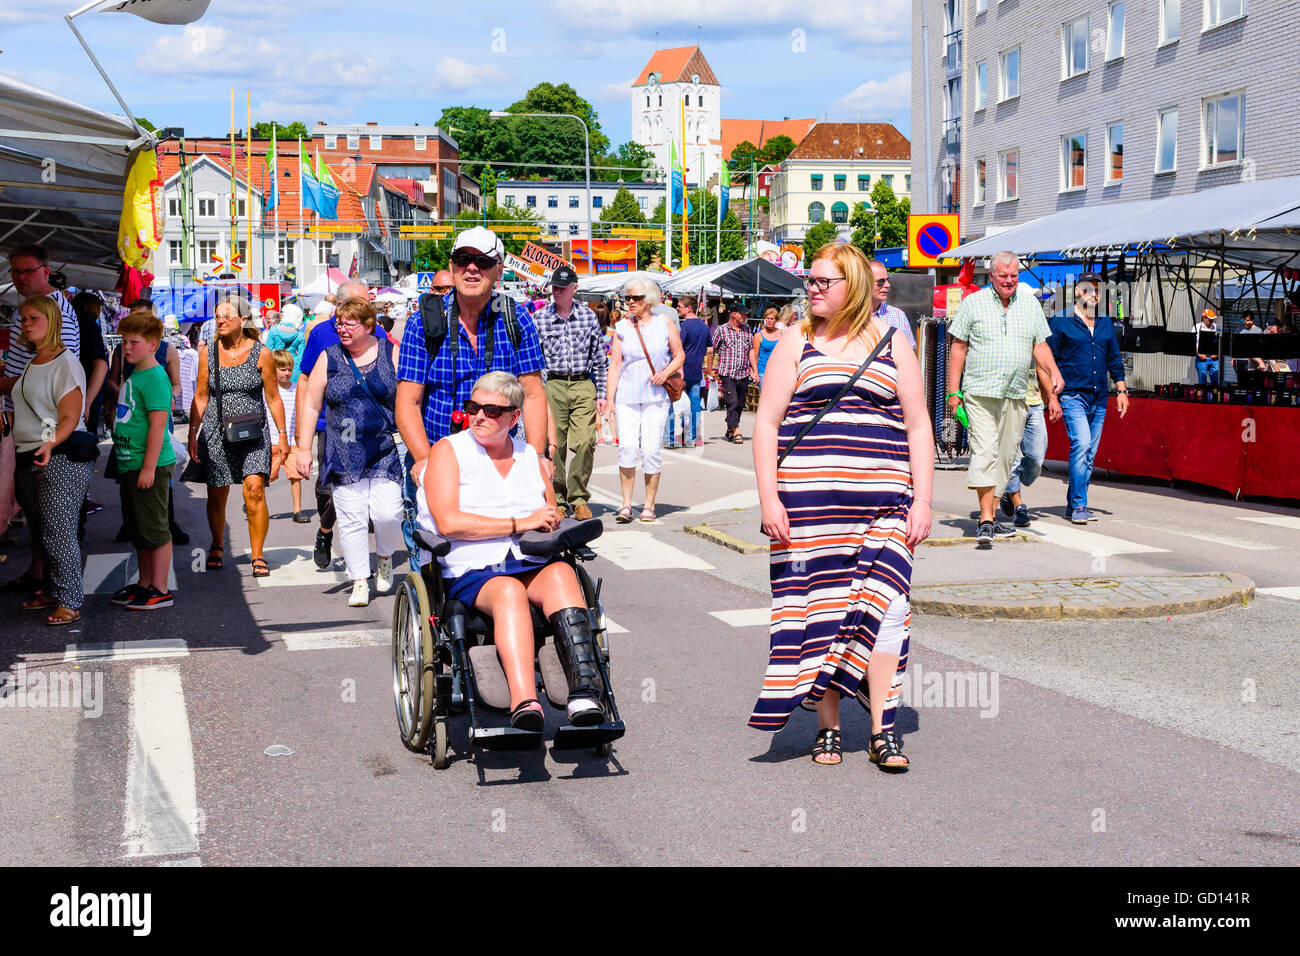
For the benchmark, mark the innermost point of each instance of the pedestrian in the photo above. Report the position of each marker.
(998, 336)
(845, 510)
(289, 334)
(1248, 327)
(320, 337)
(576, 375)
(287, 381)
(1207, 349)
(142, 449)
(765, 340)
(697, 351)
(53, 466)
(356, 382)
(1033, 449)
(731, 346)
(889, 314)
(1086, 348)
(473, 333)
(645, 353)
(94, 362)
(236, 449)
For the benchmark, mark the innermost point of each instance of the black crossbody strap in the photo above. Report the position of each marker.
(385, 412)
(838, 395)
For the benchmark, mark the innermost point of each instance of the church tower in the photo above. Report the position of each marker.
(672, 80)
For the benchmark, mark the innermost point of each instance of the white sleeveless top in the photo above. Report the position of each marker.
(634, 386)
(484, 492)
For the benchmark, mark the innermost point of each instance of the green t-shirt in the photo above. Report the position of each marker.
(143, 392)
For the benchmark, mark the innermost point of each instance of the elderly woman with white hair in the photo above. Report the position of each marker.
(645, 352)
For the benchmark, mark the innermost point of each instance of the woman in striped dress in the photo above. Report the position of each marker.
(844, 510)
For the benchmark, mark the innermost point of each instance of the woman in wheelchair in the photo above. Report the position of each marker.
(482, 489)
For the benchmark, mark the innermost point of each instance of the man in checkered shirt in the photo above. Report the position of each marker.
(576, 366)
(731, 346)
(999, 336)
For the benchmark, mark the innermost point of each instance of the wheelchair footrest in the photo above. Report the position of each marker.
(578, 738)
(557, 687)
(506, 738)
(489, 678)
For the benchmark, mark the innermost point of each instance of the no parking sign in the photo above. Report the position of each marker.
(929, 237)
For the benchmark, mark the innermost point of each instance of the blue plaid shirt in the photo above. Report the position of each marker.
(413, 362)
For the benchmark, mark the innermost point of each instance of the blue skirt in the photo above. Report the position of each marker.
(466, 587)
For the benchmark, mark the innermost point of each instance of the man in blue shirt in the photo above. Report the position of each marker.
(482, 345)
(1086, 348)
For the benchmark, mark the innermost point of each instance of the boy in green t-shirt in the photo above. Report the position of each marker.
(143, 448)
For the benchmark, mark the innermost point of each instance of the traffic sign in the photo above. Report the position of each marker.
(929, 236)
(424, 281)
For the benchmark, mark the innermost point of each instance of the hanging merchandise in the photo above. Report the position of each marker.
(141, 226)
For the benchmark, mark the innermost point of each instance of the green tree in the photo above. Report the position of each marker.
(776, 149)
(623, 211)
(145, 124)
(549, 98)
(816, 237)
(733, 237)
(283, 131)
(739, 162)
(481, 139)
(703, 227)
(891, 216)
(630, 163)
(434, 254)
(863, 222)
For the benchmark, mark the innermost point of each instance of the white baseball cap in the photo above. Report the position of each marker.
(482, 239)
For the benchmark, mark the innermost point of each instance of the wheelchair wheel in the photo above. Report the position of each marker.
(414, 669)
(438, 753)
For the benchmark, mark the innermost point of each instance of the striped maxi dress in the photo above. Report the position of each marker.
(847, 489)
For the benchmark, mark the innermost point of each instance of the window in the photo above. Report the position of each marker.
(840, 212)
(1170, 27)
(1166, 141)
(864, 184)
(888, 180)
(1115, 33)
(1218, 12)
(354, 140)
(240, 207)
(700, 99)
(816, 212)
(661, 99)
(421, 144)
(688, 99)
(840, 183)
(510, 200)
(376, 141)
(1008, 177)
(285, 252)
(174, 252)
(573, 228)
(979, 181)
(816, 182)
(1114, 153)
(647, 101)
(597, 202)
(324, 249)
(981, 85)
(1009, 74)
(331, 141)
(208, 207)
(575, 202)
(530, 202)
(1075, 48)
(1224, 130)
(981, 6)
(207, 249)
(552, 202)
(1074, 162)
(640, 201)
(907, 183)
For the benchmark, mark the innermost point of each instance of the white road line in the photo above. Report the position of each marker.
(332, 639)
(1225, 540)
(745, 617)
(126, 650)
(107, 573)
(1087, 541)
(1289, 593)
(294, 567)
(642, 551)
(184, 861)
(741, 499)
(161, 814)
(686, 457)
(1278, 521)
(612, 628)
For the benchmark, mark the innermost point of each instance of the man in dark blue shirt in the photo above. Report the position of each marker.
(1086, 349)
(695, 343)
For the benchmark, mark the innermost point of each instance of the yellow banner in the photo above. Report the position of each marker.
(637, 233)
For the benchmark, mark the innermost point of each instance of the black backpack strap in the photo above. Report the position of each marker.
(434, 321)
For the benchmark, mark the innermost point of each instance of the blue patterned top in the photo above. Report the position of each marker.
(358, 436)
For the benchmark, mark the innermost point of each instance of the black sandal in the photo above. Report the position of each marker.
(524, 717)
(827, 744)
(890, 748)
(214, 558)
(260, 569)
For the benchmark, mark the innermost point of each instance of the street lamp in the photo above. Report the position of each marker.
(586, 140)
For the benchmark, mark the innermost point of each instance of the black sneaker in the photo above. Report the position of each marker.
(1008, 508)
(322, 553)
(984, 536)
(1001, 530)
(1022, 517)
(179, 536)
(124, 596)
(149, 599)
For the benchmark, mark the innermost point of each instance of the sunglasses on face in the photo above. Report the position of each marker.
(442, 289)
(463, 259)
(491, 411)
(636, 298)
(882, 282)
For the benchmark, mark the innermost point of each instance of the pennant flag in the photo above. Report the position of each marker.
(724, 191)
(272, 171)
(329, 192)
(311, 195)
(676, 200)
(172, 12)
(352, 270)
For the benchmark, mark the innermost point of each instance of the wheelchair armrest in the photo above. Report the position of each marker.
(569, 535)
(431, 542)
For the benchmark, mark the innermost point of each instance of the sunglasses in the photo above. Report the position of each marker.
(882, 282)
(636, 298)
(463, 259)
(442, 289)
(491, 411)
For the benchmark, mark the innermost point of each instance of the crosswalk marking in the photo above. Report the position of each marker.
(612, 628)
(745, 617)
(642, 551)
(1221, 539)
(294, 567)
(1289, 593)
(1277, 521)
(126, 650)
(107, 573)
(161, 815)
(687, 457)
(1067, 536)
(741, 499)
(334, 638)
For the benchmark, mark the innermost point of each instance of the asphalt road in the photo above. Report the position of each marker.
(1126, 742)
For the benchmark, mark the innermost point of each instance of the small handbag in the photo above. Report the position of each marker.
(237, 429)
(81, 446)
(675, 383)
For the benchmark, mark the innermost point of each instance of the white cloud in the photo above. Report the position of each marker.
(880, 99)
(201, 50)
(452, 74)
(614, 92)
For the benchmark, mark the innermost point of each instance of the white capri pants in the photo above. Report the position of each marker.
(641, 428)
(355, 506)
(893, 627)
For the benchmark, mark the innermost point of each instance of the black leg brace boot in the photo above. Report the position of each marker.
(577, 652)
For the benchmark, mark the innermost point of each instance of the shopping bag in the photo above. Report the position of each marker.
(714, 401)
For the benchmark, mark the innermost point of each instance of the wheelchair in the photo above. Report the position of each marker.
(444, 661)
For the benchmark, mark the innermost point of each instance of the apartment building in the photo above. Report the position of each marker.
(423, 153)
(562, 203)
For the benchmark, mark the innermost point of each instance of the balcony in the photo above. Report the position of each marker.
(952, 54)
(952, 135)
(950, 207)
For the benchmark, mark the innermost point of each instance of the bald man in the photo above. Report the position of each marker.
(442, 282)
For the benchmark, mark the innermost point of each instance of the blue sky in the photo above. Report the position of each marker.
(401, 62)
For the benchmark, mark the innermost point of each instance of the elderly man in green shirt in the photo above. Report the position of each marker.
(999, 336)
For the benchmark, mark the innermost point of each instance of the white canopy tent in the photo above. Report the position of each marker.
(63, 170)
(608, 282)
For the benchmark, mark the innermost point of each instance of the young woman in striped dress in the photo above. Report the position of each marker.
(845, 511)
